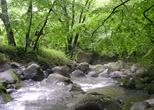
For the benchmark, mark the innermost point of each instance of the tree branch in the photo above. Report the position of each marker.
(73, 14)
(146, 16)
(82, 11)
(111, 14)
(124, 4)
(41, 30)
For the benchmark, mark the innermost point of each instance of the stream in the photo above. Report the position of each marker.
(35, 96)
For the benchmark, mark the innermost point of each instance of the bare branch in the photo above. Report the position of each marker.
(146, 16)
(111, 14)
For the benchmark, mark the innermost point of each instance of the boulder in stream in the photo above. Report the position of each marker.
(140, 106)
(33, 72)
(62, 70)
(94, 102)
(78, 73)
(92, 74)
(55, 78)
(84, 67)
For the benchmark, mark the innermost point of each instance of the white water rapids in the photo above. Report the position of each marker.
(34, 96)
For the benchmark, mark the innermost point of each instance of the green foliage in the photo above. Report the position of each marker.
(70, 26)
(52, 56)
(2, 57)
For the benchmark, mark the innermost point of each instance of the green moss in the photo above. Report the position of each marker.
(4, 93)
(123, 80)
(17, 83)
(98, 65)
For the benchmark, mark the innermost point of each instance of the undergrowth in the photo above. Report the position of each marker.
(10, 53)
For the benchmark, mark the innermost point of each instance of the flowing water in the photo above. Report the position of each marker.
(35, 96)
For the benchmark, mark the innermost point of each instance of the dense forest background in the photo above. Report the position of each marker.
(122, 28)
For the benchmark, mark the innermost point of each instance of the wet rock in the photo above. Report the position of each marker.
(113, 66)
(4, 97)
(99, 68)
(6, 67)
(33, 72)
(4, 82)
(61, 70)
(15, 65)
(151, 102)
(134, 68)
(47, 72)
(7, 76)
(128, 72)
(84, 67)
(93, 102)
(78, 73)
(92, 74)
(117, 74)
(140, 105)
(75, 87)
(55, 78)
(105, 73)
(82, 57)
(72, 65)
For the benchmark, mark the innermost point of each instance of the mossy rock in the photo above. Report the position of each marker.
(122, 80)
(94, 102)
(4, 93)
(17, 82)
(4, 82)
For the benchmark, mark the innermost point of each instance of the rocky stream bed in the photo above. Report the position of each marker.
(76, 86)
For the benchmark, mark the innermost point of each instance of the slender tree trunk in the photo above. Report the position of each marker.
(29, 12)
(38, 34)
(5, 18)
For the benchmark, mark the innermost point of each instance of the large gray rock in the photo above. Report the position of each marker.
(140, 106)
(61, 70)
(7, 76)
(96, 103)
(9, 80)
(99, 68)
(6, 67)
(150, 101)
(92, 74)
(82, 57)
(15, 65)
(33, 72)
(105, 73)
(78, 73)
(55, 78)
(84, 67)
(117, 74)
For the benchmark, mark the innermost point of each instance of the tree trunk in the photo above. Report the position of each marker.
(5, 18)
(29, 12)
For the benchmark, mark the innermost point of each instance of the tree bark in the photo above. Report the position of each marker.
(29, 12)
(5, 18)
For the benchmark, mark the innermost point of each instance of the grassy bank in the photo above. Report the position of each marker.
(10, 53)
